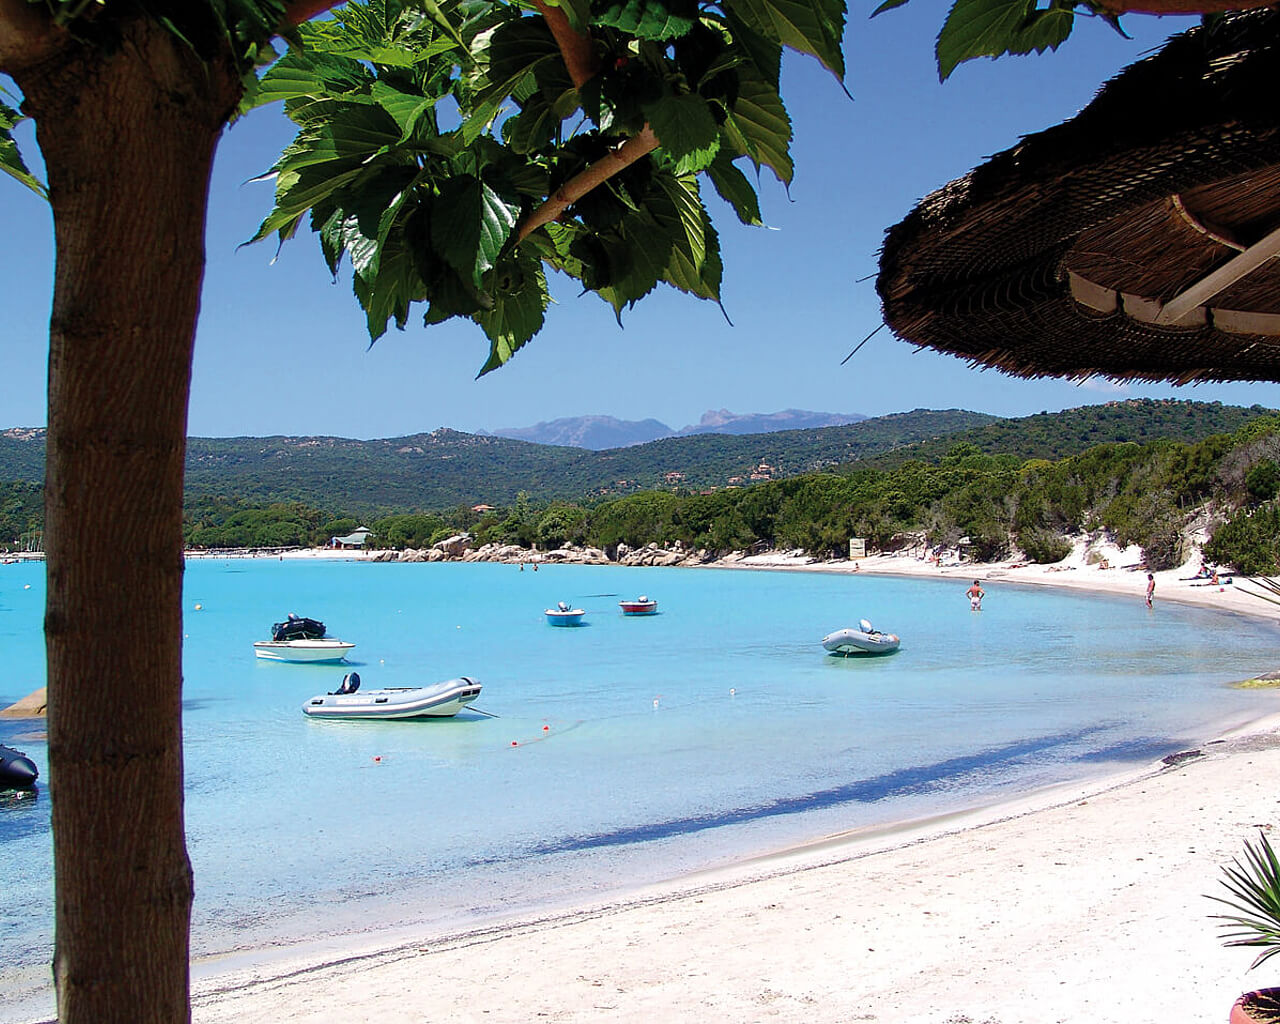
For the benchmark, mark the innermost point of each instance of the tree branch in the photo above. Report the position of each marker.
(580, 184)
(28, 35)
(298, 11)
(575, 47)
(582, 63)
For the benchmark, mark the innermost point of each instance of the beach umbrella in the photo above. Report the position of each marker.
(1135, 241)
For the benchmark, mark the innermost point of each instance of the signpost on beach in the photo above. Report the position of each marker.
(857, 547)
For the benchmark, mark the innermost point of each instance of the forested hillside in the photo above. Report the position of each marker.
(446, 467)
(998, 483)
(1056, 435)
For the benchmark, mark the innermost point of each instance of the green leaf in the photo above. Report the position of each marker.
(405, 108)
(811, 26)
(888, 5)
(990, 28)
(685, 128)
(302, 73)
(10, 159)
(760, 128)
(518, 288)
(645, 252)
(735, 189)
(470, 224)
(648, 19)
(694, 265)
(388, 291)
(764, 53)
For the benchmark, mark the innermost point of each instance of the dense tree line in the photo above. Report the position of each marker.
(1143, 493)
(21, 515)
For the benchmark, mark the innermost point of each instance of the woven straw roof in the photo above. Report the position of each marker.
(1085, 249)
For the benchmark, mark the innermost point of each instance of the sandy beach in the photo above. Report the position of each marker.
(1084, 904)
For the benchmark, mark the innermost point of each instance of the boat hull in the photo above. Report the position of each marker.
(855, 641)
(441, 700)
(638, 607)
(302, 650)
(569, 618)
(17, 771)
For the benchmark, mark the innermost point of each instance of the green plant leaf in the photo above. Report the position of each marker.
(518, 289)
(1255, 895)
(735, 189)
(10, 159)
(990, 28)
(694, 265)
(685, 128)
(760, 128)
(811, 26)
(470, 225)
(888, 5)
(648, 19)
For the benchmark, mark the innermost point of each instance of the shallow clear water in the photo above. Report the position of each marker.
(626, 750)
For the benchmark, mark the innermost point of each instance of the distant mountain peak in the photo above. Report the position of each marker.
(595, 432)
(603, 432)
(722, 421)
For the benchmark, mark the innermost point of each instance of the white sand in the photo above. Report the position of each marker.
(1085, 905)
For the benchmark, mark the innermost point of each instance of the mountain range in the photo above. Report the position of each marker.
(600, 433)
(445, 468)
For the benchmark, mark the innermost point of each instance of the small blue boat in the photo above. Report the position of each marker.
(563, 615)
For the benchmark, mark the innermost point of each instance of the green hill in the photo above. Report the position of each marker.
(447, 468)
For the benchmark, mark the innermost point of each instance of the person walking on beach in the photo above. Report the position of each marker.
(975, 594)
(1151, 588)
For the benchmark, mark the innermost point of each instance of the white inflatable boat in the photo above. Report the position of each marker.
(440, 700)
(863, 640)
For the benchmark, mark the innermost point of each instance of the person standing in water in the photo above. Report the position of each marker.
(1151, 588)
(975, 594)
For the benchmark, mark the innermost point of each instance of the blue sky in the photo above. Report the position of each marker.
(282, 348)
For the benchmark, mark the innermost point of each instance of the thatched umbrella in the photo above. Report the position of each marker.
(1135, 241)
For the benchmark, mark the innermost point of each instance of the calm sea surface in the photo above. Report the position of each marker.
(624, 751)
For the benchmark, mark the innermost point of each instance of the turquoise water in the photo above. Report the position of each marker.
(623, 751)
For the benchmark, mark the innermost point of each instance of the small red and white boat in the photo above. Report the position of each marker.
(640, 606)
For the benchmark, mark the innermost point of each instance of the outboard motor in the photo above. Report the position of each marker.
(865, 626)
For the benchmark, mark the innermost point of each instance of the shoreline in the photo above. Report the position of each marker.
(1082, 902)
(1077, 903)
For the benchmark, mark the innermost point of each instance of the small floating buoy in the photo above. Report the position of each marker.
(655, 702)
(199, 606)
(515, 743)
(546, 728)
(377, 759)
(27, 587)
(733, 691)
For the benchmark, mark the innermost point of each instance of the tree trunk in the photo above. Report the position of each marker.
(128, 135)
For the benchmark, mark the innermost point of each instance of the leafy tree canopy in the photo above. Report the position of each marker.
(455, 152)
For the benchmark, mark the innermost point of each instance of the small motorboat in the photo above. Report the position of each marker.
(319, 650)
(642, 605)
(301, 639)
(563, 615)
(863, 640)
(440, 700)
(17, 771)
